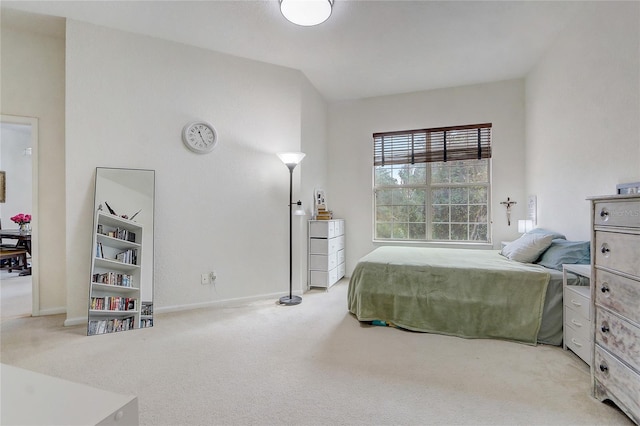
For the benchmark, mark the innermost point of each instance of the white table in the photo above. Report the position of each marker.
(30, 398)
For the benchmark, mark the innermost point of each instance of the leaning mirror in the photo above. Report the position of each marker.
(121, 282)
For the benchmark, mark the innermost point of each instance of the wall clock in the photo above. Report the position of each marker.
(200, 137)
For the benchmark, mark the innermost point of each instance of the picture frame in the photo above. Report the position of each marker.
(320, 200)
(532, 206)
(628, 188)
(3, 187)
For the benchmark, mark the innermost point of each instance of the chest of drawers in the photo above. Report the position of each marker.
(326, 252)
(616, 298)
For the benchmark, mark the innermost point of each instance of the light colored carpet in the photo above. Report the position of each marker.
(264, 364)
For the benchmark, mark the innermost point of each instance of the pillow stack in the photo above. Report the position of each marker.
(547, 248)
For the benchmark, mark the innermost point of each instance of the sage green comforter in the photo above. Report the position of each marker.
(458, 292)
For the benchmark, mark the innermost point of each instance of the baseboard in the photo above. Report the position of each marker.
(51, 311)
(75, 321)
(221, 303)
(186, 307)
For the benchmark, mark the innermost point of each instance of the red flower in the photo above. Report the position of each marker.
(21, 218)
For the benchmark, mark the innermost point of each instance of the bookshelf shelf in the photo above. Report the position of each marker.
(115, 274)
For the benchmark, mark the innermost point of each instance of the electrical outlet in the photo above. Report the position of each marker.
(204, 279)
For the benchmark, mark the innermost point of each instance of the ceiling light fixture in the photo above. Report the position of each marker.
(306, 12)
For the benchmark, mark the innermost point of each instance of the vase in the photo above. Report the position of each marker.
(25, 227)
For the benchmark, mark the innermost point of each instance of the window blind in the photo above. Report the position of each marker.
(453, 143)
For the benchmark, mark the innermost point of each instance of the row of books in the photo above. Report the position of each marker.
(119, 233)
(128, 256)
(146, 322)
(113, 303)
(113, 278)
(110, 325)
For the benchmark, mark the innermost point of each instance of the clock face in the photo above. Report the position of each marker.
(199, 137)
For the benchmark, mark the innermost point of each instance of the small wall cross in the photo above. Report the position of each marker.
(508, 205)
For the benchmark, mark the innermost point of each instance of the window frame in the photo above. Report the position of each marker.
(428, 187)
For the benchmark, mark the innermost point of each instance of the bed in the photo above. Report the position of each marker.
(463, 292)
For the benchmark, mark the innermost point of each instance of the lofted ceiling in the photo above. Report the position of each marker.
(366, 48)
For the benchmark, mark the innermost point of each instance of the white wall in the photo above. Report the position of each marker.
(32, 85)
(351, 125)
(583, 116)
(128, 98)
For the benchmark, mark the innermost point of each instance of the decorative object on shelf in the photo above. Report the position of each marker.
(306, 13)
(628, 188)
(3, 187)
(291, 160)
(525, 226)
(23, 221)
(533, 209)
(508, 204)
(200, 137)
(110, 209)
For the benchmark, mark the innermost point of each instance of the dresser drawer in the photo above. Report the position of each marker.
(618, 336)
(325, 245)
(324, 278)
(616, 379)
(323, 262)
(577, 301)
(622, 213)
(323, 229)
(579, 344)
(618, 293)
(618, 251)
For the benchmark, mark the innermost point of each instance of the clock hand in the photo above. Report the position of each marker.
(201, 137)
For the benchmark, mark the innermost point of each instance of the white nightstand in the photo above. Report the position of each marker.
(577, 314)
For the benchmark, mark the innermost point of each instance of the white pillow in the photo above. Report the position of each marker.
(528, 248)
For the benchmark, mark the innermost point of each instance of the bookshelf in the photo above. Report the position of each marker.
(114, 296)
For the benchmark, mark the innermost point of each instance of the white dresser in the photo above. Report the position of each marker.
(615, 245)
(326, 252)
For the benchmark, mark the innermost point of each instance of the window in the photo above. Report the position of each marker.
(433, 184)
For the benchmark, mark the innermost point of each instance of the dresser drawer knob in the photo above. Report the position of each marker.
(605, 249)
(605, 327)
(604, 214)
(604, 288)
(603, 367)
(575, 342)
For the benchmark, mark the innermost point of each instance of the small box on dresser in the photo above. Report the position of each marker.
(326, 252)
(616, 299)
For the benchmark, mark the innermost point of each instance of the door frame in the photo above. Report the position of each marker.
(35, 282)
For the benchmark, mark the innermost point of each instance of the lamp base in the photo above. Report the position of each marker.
(293, 300)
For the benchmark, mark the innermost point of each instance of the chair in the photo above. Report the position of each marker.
(9, 256)
(5, 245)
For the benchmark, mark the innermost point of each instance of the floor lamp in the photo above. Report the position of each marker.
(291, 160)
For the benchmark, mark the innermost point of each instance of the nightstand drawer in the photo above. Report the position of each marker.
(576, 321)
(578, 344)
(577, 299)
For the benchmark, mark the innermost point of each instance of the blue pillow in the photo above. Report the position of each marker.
(562, 251)
(547, 232)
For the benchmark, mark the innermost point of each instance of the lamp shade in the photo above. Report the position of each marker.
(525, 226)
(291, 158)
(306, 12)
(299, 211)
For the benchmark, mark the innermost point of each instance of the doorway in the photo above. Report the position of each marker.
(18, 159)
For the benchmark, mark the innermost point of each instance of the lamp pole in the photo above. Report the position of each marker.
(291, 163)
